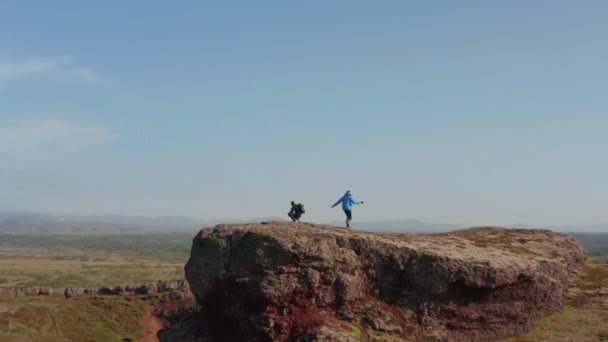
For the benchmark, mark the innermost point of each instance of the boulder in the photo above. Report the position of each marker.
(280, 281)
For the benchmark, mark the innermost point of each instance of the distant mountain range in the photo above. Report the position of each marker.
(30, 223)
(20, 216)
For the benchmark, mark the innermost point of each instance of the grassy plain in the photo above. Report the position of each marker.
(111, 318)
(83, 261)
(79, 261)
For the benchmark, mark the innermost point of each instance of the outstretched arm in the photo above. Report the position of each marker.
(339, 201)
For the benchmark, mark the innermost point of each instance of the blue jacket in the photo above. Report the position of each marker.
(347, 202)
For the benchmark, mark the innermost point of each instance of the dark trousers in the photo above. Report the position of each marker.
(349, 214)
(294, 215)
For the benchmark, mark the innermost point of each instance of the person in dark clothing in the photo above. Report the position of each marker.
(296, 211)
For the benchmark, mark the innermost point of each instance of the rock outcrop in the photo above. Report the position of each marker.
(18, 291)
(176, 287)
(162, 286)
(280, 281)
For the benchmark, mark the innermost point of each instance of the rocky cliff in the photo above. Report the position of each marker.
(280, 281)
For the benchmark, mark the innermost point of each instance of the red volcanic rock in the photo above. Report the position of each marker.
(280, 281)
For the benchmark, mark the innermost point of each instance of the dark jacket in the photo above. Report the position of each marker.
(297, 209)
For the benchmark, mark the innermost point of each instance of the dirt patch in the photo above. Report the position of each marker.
(152, 325)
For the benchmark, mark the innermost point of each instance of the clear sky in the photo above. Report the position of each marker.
(480, 112)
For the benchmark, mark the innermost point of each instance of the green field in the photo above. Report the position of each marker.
(79, 261)
(111, 318)
(84, 261)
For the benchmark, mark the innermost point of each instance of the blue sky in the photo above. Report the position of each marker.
(471, 112)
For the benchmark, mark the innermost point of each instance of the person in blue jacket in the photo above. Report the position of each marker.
(347, 205)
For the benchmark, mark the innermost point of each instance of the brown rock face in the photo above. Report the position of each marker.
(303, 282)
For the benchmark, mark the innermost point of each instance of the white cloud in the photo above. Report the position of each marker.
(90, 76)
(16, 70)
(49, 136)
(31, 67)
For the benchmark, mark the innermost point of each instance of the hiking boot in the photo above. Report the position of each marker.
(347, 224)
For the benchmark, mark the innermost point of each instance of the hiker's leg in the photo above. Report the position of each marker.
(349, 217)
(291, 215)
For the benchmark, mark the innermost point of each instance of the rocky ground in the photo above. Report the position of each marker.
(279, 281)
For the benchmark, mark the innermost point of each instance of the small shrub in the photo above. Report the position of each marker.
(355, 330)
